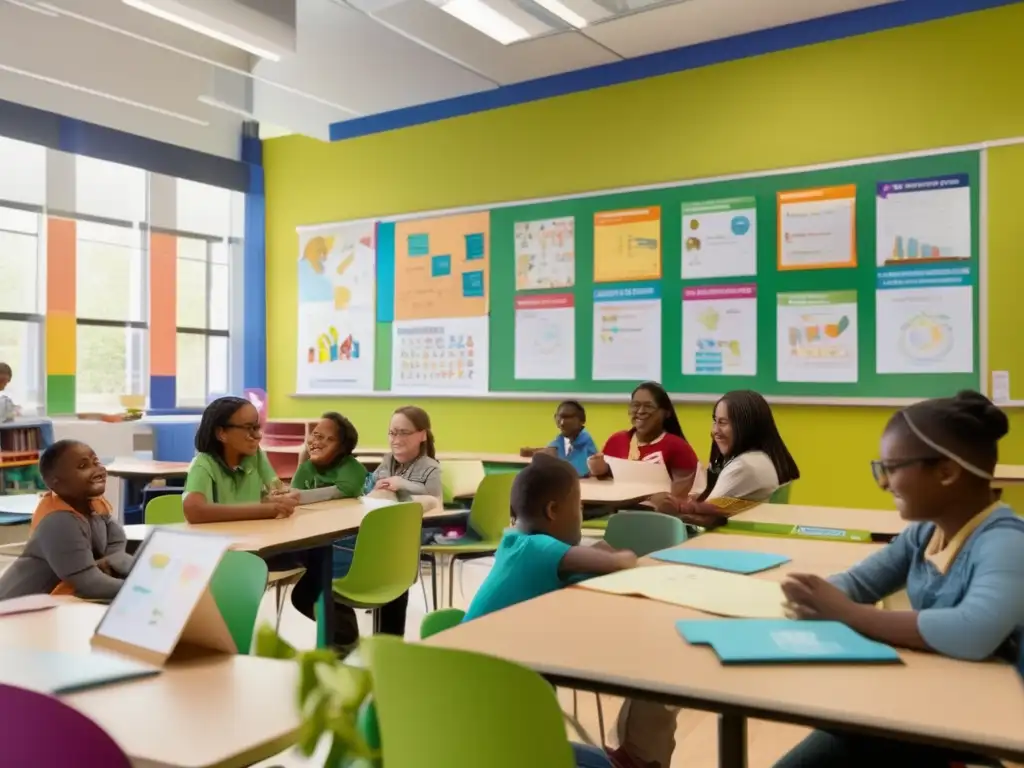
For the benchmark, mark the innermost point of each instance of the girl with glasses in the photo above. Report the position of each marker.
(410, 472)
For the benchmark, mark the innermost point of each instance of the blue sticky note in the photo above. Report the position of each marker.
(739, 641)
(473, 284)
(418, 245)
(474, 247)
(440, 266)
(385, 272)
(734, 560)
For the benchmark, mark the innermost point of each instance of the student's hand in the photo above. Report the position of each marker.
(527, 453)
(104, 566)
(282, 504)
(548, 451)
(812, 597)
(285, 493)
(625, 558)
(597, 465)
(392, 484)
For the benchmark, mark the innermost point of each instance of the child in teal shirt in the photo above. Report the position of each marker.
(330, 461)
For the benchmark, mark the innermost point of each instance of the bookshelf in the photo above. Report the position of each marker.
(21, 443)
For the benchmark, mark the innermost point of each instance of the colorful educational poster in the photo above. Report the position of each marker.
(924, 321)
(545, 336)
(627, 245)
(441, 267)
(817, 336)
(627, 333)
(923, 221)
(720, 330)
(720, 238)
(818, 228)
(336, 309)
(446, 355)
(545, 254)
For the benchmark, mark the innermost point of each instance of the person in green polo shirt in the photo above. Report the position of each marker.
(231, 478)
(330, 461)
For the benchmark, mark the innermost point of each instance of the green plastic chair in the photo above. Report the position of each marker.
(480, 693)
(488, 518)
(237, 587)
(460, 479)
(386, 559)
(644, 532)
(165, 510)
(439, 621)
(597, 524)
(781, 495)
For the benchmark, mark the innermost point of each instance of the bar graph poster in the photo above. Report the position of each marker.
(924, 221)
(720, 330)
(441, 267)
(337, 286)
(627, 245)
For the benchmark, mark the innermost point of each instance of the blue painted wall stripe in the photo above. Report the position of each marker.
(163, 393)
(254, 266)
(835, 27)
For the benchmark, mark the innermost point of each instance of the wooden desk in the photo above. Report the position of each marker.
(1007, 475)
(641, 655)
(486, 458)
(833, 520)
(217, 711)
(136, 468)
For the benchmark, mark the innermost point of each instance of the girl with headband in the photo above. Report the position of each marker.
(961, 560)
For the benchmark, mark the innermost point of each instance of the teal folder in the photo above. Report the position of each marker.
(781, 641)
(63, 673)
(734, 560)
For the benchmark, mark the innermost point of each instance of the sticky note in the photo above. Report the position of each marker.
(419, 245)
(473, 284)
(440, 266)
(474, 247)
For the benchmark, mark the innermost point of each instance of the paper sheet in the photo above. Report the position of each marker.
(717, 592)
(647, 473)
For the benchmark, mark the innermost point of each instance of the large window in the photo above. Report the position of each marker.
(203, 299)
(20, 307)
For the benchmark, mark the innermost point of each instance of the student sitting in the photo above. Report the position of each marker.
(76, 547)
(573, 444)
(410, 472)
(961, 561)
(8, 409)
(749, 460)
(655, 435)
(329, 459)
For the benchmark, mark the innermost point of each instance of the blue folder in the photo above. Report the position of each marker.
(781, 641)
(63, 673)
(14, 518)
(734, 560)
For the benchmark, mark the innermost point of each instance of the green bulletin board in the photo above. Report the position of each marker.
(842, 285)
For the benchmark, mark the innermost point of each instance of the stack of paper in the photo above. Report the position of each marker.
(733, 560)
(646, 473)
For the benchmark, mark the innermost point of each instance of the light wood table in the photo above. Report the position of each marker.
(1007, 475)
(134, 474)
(819, 522)
(486, 458)
(641, 655)
(212, 711)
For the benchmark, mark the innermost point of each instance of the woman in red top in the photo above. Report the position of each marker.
(656, 435)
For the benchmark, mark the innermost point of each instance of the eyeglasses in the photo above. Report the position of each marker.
(642, 407)
(252, 429)
(322, 438)
(401, 432)
(882, 469)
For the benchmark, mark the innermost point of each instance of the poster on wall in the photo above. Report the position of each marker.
(818, 228)
(439, 356)
(817, 336)
(924, 321)
(545, 254)
(441, 267)
(720, 330)
(627, 332)
(719, 238)
(336, 309)
(545, 337)
(922, 222)
(627, 245)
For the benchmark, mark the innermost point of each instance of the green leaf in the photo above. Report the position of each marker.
(271, 645)
(844, 323)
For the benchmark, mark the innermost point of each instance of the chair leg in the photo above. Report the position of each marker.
(375, 616)
(434, 560)
(423, 586)
(279, 598)
(451, 582)
(600, 718)
(575, 705)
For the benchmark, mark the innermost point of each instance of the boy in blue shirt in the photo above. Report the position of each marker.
(573, 444)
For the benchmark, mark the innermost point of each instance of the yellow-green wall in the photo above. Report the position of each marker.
(945, 83)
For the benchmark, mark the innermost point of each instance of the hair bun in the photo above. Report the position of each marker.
(991, 420)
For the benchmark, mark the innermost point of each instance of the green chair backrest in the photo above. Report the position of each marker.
(237, 586)
(781, 495)
(644, 532)
(491, 512)
(460, 478)
(165, 510)
(439, 621)
(386, 560)
(484, 695)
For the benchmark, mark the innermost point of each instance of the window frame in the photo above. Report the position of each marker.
(36, 321)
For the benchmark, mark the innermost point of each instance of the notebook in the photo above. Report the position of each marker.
(647, 473)
(783, 641)
(62, 673)
(733, 560)
(28, 604)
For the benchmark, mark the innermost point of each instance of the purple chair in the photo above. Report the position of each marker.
(41, 730)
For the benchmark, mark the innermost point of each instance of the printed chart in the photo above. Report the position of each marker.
(627, 245)
(336, 350)
(545, 337)
(545, 254)
(436, 356)
(817, 336)
(719, 238)
(817, 228)
(720, 330)
(924, 221)
(627, 333)
(924, 321)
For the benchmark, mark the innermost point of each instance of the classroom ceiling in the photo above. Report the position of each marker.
(107, 60)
